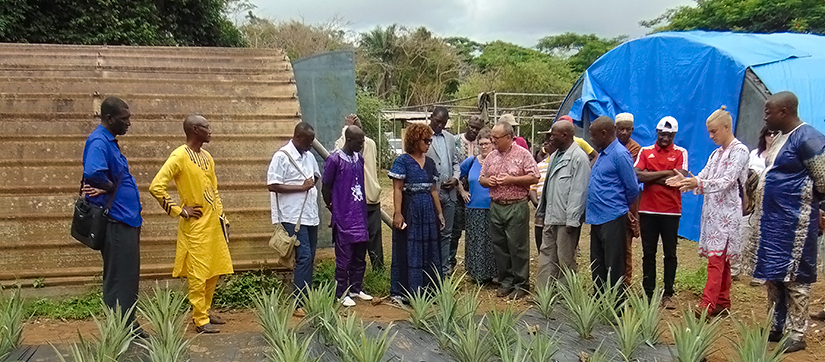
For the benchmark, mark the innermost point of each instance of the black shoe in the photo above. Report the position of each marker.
(504, 291)
(793, 346)
(518, 293)
(214, 319)
(774, 336)
(207, 328)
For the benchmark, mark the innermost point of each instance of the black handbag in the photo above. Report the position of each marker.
(89, 221)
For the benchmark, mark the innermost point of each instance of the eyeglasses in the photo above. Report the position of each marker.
(485, 144)
(428, 141)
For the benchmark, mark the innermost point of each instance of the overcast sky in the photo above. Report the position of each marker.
(518, 21)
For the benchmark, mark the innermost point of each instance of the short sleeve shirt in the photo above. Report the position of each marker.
(517, 161)
(283, 172)
(659, 199)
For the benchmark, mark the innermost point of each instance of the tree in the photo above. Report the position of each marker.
(758, 16)
(136, 22)
(407, 67)
(297, 38)
(585, 49)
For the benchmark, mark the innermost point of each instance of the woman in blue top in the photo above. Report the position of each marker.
(478, 248)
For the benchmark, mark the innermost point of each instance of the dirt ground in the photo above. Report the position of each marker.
(748, 303)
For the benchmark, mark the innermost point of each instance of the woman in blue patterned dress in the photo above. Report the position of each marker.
(416, 249)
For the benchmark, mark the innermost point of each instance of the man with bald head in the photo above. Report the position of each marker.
(344, 194)
(562, 204)
(508, 172)
(202, 254)
(787, 205)
(612, 189)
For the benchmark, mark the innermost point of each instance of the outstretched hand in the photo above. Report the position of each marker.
(675, 180)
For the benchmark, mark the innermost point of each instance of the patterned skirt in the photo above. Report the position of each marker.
(479, 261)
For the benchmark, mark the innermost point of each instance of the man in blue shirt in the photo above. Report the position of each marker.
(104, 168)
(612, 189)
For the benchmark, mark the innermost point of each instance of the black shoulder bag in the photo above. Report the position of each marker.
(89, 221)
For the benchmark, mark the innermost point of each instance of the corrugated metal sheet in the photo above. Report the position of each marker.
(49, 97)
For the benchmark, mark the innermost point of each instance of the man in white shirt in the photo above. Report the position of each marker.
(375, 247)
(294, 200)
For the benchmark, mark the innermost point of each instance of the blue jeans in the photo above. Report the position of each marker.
(304, 257)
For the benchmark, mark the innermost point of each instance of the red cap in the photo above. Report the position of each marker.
(565, 118)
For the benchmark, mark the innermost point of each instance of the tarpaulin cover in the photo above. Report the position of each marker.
(688, 75)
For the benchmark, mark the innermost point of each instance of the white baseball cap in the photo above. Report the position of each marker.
(668, 124)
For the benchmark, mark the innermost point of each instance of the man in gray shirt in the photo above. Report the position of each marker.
(443, 152)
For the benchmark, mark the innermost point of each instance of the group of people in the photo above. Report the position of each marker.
(761, 210)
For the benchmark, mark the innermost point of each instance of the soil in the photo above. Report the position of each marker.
(749, 303)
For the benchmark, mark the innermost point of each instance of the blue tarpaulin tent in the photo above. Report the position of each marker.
(688, 75)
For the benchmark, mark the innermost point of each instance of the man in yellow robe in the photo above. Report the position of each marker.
(202, 251)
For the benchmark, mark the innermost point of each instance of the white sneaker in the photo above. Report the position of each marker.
(361, 295)
(347, 302)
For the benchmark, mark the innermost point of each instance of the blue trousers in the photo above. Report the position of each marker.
(304, 257)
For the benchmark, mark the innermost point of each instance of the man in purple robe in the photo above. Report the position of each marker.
(343, 193)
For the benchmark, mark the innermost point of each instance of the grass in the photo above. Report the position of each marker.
(583, 310)
(448, 311)
(83, 306)
(274, 313)
(692, 280)
(116, 334)
(321, 308)
(376, 282)
(609, 300)
(293, 350)
(694, 336)
(11, 322)
(167, 311)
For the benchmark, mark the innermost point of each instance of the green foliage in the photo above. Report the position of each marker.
(321, 308)
(469, 344)
(501, 325)
(752, 345)
(609, 301)
(167, 311)
(421, 308)
(295, 37)
(449, 309)
(546, 296)
(11, 322)
(583, 310)
(116, 334)
(377, 282)
(692, 280)
(498, 53)
(407, 66)
(324, 273)
(694, 336)
(137, 22)
(236, 290)
(585, 48)
(543, 347)
(274, 310)
(79, 307)
(628, 329)
(356, 346)
(294, 350)
(650, 313)
(368, 108)
(756, 16)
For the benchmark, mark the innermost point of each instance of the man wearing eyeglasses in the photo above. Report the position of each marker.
(508, 172)
(443, 152)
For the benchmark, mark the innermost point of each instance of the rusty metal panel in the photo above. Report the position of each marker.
(49, 98)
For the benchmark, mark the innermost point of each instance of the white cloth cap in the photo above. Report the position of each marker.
(624, 117)
(509, 118)
(668, 124)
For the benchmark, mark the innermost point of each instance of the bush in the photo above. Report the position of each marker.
(237, 290)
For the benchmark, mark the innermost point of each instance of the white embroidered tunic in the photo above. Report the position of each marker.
(722, 208)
